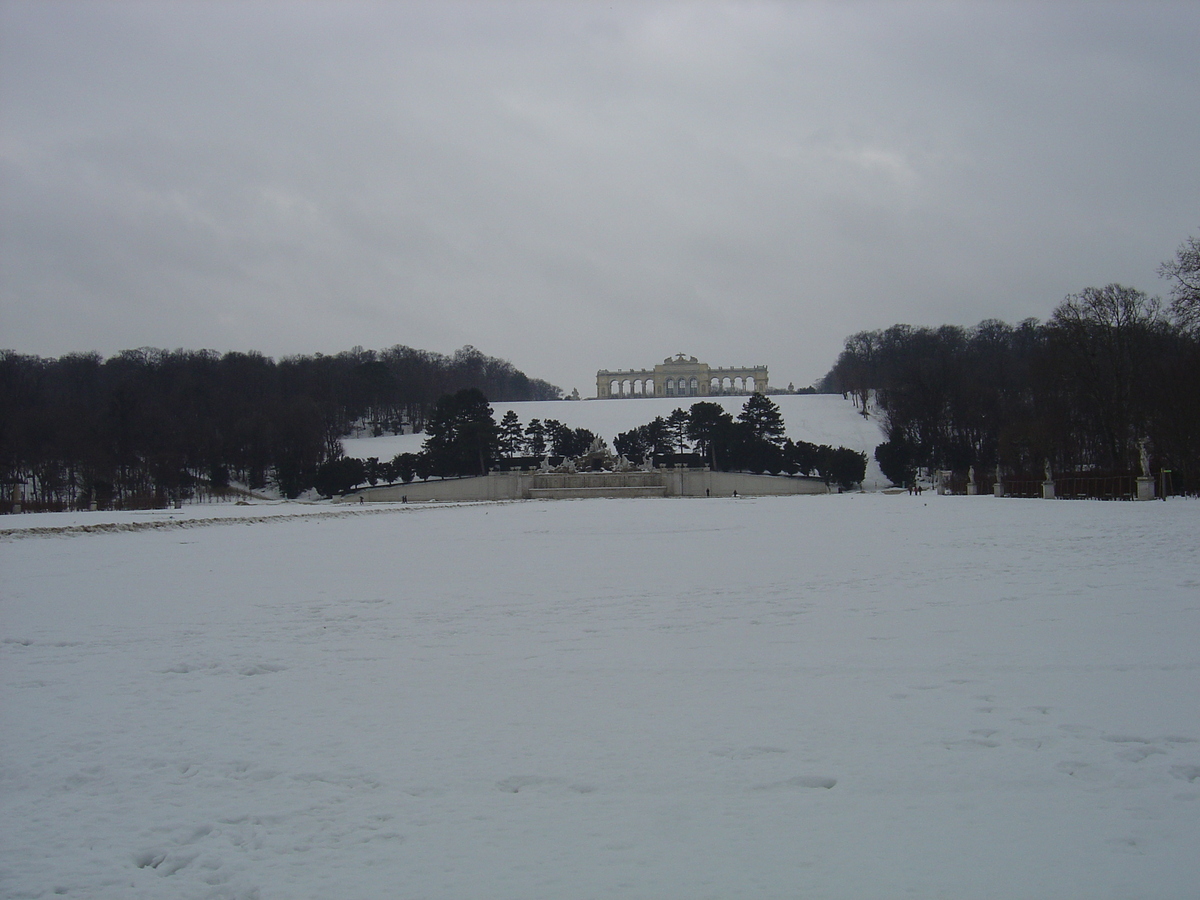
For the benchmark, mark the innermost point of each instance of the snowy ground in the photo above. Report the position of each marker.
(855, 696)
(816, 418)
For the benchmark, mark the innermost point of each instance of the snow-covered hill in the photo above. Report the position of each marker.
(816, 418)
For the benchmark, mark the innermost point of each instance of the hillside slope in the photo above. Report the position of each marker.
(816, 418)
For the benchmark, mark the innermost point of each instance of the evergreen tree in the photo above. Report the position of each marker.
(658, 436)
(535, 438)
(634, 444)
(762, 416)
(462, 435)
(842, 466)
(339, 476)
(896, 461)
(373, 471)
(404, 466)
(707, 423)
(559, 438)
(581, 441)
(677, 428)
(511, 434)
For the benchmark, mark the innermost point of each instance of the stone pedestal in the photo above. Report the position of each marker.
(972, 489)
(1047, 490)
(942, 481)
(998, 489)
(1145, 488)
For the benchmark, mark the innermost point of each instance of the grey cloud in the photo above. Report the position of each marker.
(580, 185)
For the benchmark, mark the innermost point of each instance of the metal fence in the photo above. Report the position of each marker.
(1022, 487)
(1096, 487)
(1085, 486)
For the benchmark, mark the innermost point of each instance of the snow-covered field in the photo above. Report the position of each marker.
(854, 696)
(816, 418)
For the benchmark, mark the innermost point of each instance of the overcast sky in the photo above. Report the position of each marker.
(581, 185)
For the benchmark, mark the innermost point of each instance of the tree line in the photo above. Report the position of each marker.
(148, 425)
(754, 442)
(463, 438)
(1112, 371)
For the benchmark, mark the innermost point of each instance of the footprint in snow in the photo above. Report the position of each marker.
(1137, 754)
(799, 781)
(164, 863)
(261, 669)
(745, 752)
(971, 744)
(515, 784)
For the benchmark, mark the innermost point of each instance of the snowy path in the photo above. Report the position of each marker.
(856, 696)
(113, 522)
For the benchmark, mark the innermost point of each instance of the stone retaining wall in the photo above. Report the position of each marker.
(558, 486)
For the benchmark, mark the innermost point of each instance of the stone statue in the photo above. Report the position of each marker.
(971, 475)
(1049, 475)
(1144, 456)
(998, 473)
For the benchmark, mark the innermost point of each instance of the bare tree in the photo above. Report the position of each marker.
(1184, 271)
